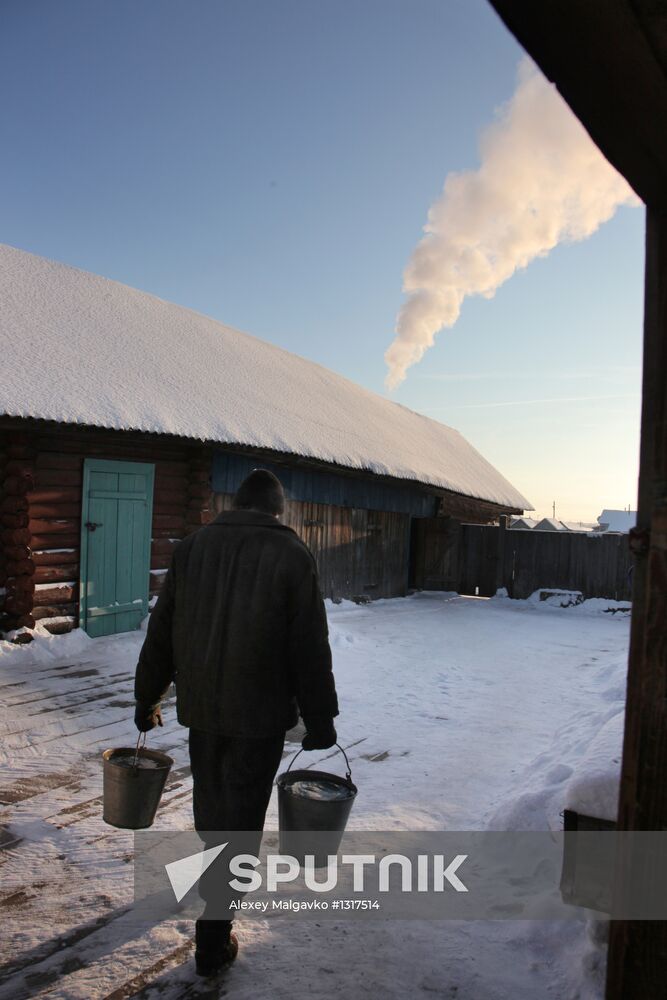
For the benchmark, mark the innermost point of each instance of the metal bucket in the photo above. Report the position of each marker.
(132, 792)
(310, 825)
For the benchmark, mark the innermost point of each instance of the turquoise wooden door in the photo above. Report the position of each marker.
(116, 522)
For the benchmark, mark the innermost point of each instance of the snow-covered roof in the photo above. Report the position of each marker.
(553, 524)
(617, 520)
(550, 524)
(78, 348)
(523, 522)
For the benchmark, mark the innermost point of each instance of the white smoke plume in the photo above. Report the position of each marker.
(542, 181)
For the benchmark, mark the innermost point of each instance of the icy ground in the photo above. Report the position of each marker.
(459, 713)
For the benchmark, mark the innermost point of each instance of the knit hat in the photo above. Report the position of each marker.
(261, 490)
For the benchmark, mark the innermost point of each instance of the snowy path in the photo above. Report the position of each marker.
(459, 714)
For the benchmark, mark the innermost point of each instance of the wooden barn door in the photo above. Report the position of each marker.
(115, 545)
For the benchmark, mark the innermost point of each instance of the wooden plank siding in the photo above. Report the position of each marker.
(359, 553)
(340, 488)
(435, 554)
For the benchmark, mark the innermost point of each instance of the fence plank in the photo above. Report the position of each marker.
(597, 565)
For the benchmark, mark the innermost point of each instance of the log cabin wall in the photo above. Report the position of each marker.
(181, 505)
(41, 474)
(358, 527)
(3, 560)
(16, 564)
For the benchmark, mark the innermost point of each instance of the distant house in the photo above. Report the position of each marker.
(550, 524)
(126, 422)
(553, 524)
(523, 523)
(617, 520)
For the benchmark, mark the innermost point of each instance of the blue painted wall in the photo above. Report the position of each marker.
(310, 485)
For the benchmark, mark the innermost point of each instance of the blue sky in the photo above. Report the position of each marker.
(272, 163)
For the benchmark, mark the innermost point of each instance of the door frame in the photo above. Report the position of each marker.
(112, 465)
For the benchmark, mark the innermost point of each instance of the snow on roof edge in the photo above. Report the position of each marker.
(239, 445)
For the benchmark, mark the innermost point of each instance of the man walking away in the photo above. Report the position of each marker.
(241, 630)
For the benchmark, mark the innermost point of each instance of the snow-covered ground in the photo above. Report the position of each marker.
(458, 713)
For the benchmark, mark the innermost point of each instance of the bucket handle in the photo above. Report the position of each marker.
(348, 775)
(136, 752)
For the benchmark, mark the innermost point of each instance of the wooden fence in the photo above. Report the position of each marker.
(479, 558)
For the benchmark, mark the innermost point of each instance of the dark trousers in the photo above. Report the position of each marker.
(232, 778)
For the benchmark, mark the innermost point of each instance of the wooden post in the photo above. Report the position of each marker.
(502, 537)
(637, 964)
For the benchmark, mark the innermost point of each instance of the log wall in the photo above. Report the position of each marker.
(16, 564)
(3, 559)
(41, 479)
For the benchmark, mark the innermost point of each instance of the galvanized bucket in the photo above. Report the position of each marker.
(309, 825)
(133, 782)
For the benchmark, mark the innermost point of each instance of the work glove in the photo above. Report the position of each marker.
(147, 717)
(320, 734)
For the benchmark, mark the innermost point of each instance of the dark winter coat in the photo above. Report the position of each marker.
(240, 628)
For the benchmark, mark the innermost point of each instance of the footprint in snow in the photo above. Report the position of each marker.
(559, 773)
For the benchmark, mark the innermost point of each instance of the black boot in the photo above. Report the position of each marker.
(215, 946)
